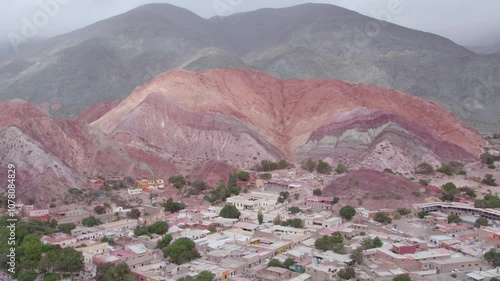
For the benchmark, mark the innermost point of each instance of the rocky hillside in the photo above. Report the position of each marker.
(107, 60)
(203, 123)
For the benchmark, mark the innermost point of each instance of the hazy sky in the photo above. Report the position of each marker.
(466, 22)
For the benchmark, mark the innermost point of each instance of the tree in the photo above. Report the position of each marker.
(266, 176)
(260, 217)
(285, 194)
(449, 187)
(280, 200)
(212, 229)
(134, 214)
(424, 182)
(181, 250)
(382, 217)
(347, 273)
(317, 192)
(164, 242)
(205, 275)
(402, 277)
(422, 214)
(294, 210)
(323, 167)
(288, 262)
(159, 227)
(102, 269)
(489, 180)
(27, 276)
(493, 257)
(377, 242)
(100, 210)
(178, 181)
(274, 263)
(481, 222)
(310, 165)
(341, 168)
(336, 200)
(244, 176)
(120, 272)
(230, 212)
(446, 169)
(334, 242)
(172, 206)
(454, 219)
(268, 165)
(66, 227)
(357, 255)
(30, 251)
(347, 212)
(91, 221)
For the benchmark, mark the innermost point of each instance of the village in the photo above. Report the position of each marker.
(279, 227)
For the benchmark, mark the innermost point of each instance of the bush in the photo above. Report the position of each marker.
(242, 175)
(347, 273)
(425, 169)
(402, 277)
(294, 210)
(274, 263)
(446, 169)
(424, 182)
(178, 181)
(100, 210)
(310, 165)
(173, 207)
(489, 180)
(66, 227)
(347, 212)
(389, 171)
(341, 168)
(404, 211)
(317, 192)
(91, 221)
(230, 212)
(422, 214)
(382, 217)
(266, 176)
(454, 219)
(323, 167)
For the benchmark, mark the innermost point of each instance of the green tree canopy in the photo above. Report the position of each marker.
(229, 212)
(164, 242)
(181, 250)
(347, 212)
(159, 227)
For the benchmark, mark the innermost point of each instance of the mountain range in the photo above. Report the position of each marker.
(186, 122)
(68, 74)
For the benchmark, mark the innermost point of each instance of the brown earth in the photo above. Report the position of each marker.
(375, 190)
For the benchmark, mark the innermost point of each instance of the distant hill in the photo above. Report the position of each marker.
(207, 123)
(490, 49)
(107, 60)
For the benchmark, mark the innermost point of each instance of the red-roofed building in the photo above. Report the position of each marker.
(61, 241)
(319, 202)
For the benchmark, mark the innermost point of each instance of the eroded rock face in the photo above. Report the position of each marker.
(187, 122)
(240, 115)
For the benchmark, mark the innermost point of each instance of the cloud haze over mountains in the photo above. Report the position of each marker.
(465, 22)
